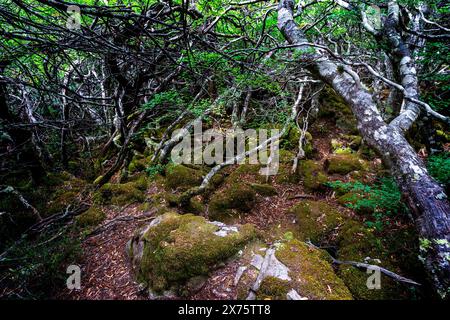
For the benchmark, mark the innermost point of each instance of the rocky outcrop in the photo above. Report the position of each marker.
(175, 251)
(234, 197)
(313, 175)
(343, 164)
(316, 219)
(289, 270)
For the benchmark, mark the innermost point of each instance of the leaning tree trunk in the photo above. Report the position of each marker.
(426, 197)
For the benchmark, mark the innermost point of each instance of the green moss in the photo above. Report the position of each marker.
(193, 206)
(336, 144)
(313, 175)
(138, 163)
(343, 151)
(97, 180)
(140, 181)
(251, 171)
(332, 106)
(311, 274)
(346, 145)
(57, 178)
(172, 199)
(67, 188)
(181, 177)
(343, 164)
(152, 204)
(291, 141)
(355, 244)
(180, 247)
(286, 156)
(235, 196)
(366, 152)
(245, 282)
(264, 189)
(355, 142)
(119, 194)
(316, 219)
(273, 288)
(443, 135)
(145, 207)
(92, 217)
(285, 175)
(61, 200)
(293, 137)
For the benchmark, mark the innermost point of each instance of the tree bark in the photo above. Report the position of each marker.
(426, 197)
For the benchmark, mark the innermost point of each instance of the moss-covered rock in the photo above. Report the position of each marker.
(286, 156)
(193, 206)
(157, 203)
(138, 163)
(346, 144)
(273, 288)
(140, 181)
(311, 273)
(61, 200)
(285, 174)
(92, 217)
(291, 142)
(336, 144)
(175, 248)
(345, 150)
(180, 177)
(289, 269)
(119, 194)
(312, 173)
(264, 189)
(343, 164)
(234, 197)
(249, 171)
(67, 190)
(316, 219)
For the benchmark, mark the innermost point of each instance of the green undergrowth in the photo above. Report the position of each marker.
(36, 268)
(180, 247)
(382, 199)
(439, 167)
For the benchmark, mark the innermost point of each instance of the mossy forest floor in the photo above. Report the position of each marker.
(107, 272)
(106, 267)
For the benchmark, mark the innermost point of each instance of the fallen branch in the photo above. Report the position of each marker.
(44, 224)
(9, 189)
(302, 196)
(100, 229)
(361, 265)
